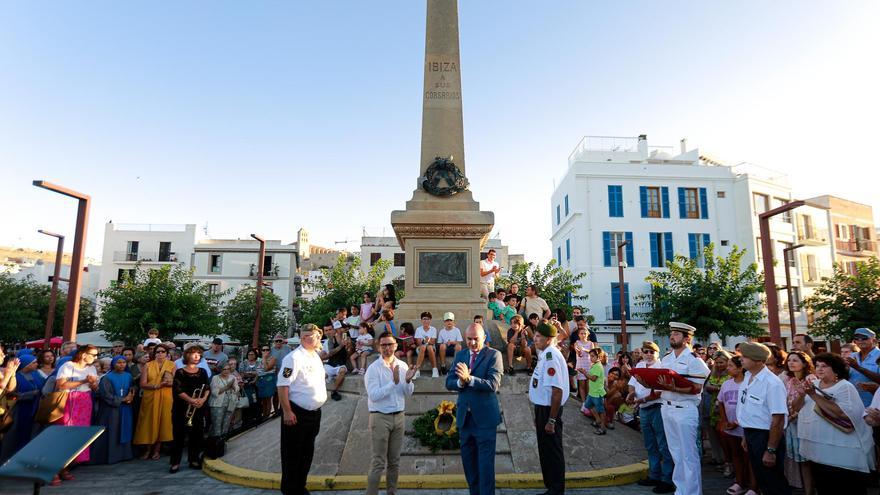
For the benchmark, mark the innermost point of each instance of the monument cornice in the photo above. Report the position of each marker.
(443, 231)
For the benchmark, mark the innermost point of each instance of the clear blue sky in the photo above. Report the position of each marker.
(266, 116)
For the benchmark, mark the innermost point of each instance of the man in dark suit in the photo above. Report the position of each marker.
(476, 378)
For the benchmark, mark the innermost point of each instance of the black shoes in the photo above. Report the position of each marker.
(648, 482)
(509, 371)
(335, 395)
(174, 469)
(443, 370)
(664, 487)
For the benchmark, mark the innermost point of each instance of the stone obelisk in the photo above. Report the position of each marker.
(442, 229)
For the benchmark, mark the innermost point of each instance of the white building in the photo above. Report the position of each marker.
(620, 189)
(232, 263)
(150, 245)
(375, 248)
(42, 273)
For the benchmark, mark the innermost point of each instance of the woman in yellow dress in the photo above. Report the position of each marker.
(154, 420)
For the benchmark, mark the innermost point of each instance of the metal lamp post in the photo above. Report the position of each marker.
(785, 255)
(255, 342)
(71, 314)
(53, 294)
(622, 294)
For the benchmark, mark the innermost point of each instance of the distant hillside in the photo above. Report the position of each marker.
(30, 254)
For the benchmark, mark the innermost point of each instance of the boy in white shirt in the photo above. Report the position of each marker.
(449, 339)
(425, 340)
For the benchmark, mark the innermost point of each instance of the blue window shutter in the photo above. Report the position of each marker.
(682, 204)
(706, 240)
(606, 247)
(643, 200)
(704, 204)
(692, 246)
(558, 215)
(566, 205)
(559, 255)
(615, 301)
(611, 201)
(653, 238)
(667, 245)
(567, 249)
(626, 299)
(664, 194)
(629, 249)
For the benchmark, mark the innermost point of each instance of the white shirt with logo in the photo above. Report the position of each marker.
(550, 372)
(303, 372)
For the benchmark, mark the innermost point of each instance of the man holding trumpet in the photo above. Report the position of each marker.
(191, 391)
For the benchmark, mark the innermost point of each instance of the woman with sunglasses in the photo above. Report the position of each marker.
(78, 377)
(154, 418)
(266, 377)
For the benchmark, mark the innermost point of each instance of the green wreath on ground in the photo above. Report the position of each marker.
(436, 429)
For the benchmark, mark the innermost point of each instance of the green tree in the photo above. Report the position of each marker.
(558, 286)
(340, 287)
(720, 298)
(24, 307)
(845, 302)
(239, 313)
(166, 298)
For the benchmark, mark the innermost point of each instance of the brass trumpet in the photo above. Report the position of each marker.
(191, 410)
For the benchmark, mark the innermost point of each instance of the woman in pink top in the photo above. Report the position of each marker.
(731, 432)
(798, 369)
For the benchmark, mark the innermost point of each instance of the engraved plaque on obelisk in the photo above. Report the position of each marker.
(442, 228)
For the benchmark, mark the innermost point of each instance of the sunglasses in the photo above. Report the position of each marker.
(648, 351)
(266, 349)
(860, 337)
(161, 352)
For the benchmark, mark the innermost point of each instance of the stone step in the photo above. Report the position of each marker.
(410, 419)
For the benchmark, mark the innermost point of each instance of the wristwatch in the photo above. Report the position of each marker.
(552, 421)
(771, 450)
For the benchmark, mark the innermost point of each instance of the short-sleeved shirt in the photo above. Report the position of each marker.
(689, 364)
(424, 335)
(215, 360)
(522, 335)
(366, 311)
(303, 372)
(728, 397)
(551, 371)
(536, 305)
(596, 388)
(446, 336)
(490, 277)
(279, 354)
(642, 391)
(856, 377)
(69, 371)
(760, 400)
(506, 313)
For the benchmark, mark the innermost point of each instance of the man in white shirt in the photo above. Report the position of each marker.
(301, 382)
(388, 381)
(762, 411)
(449, 340)
(680, 408)
(548, 393)
(489, 269)
(425, 339)
(659, 459)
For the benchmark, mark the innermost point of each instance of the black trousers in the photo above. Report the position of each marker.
(550, 451)
(297, 449)
(193, 436)
(771, 480)
(835, 480)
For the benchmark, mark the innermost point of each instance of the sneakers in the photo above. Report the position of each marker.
(663, 487)
(435, 373)
(417, 374)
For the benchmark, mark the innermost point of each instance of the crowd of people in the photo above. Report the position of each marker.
(769, 419)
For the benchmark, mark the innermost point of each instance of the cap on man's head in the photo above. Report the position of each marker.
(311, 327)
(217, 341)
(650, 345)
(546, 329)
(682, 327)
(754, 351)
(865, 332)
(118, 343)
(278, 337)
(449, 315)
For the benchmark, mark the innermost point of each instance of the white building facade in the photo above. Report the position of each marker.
(148, 245)
(620, 189)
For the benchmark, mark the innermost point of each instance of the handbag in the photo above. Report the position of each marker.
(51, 407)
(842, 424)
(243, 400)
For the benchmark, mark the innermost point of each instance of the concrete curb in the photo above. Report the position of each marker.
(616, 476)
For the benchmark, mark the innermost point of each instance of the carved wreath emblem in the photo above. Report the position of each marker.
(443, 178)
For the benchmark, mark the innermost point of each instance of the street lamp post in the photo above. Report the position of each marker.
(53, 294)
(785, 254)
(622, 294)
(259, 304)
(71, 314)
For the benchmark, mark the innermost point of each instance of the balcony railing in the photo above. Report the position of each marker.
(814, 276)
(812, 235)
(144, 257)
(856, 245)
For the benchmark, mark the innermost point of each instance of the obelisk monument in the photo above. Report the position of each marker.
(442, 229)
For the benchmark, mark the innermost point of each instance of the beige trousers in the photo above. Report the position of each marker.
(387, 435)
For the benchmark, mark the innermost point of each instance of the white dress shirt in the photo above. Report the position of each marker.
(302, 372)
(686, 363)
(760, 400)
(640, 390)
(383, 395)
